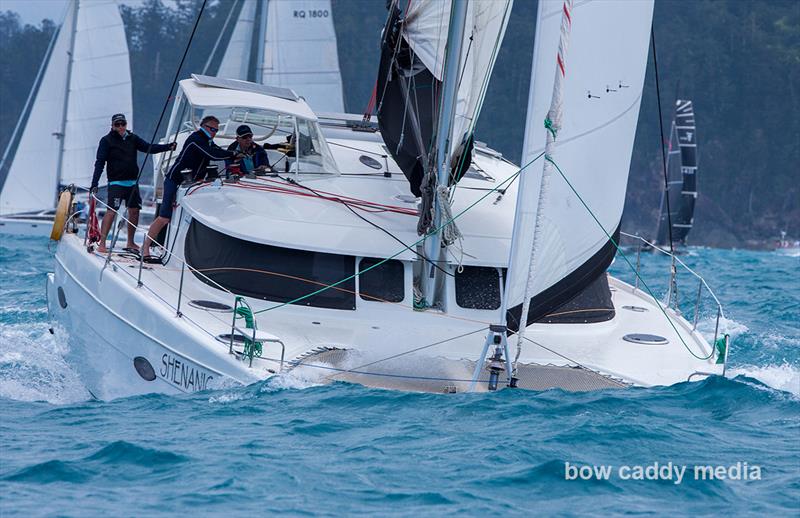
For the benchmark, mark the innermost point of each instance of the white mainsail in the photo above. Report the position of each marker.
(100, 86)
(236, 60)
(33, 176)
(297, 50)
(601, 96)
(66, 122)
(426, 28)
(300, 52)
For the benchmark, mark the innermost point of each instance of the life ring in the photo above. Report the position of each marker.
(62, 212)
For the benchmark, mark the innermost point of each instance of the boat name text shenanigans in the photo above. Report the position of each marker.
(183, 374)
(662, 471)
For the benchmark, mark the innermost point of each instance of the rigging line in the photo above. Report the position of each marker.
(572, 361)
(407, 247)
(661, 131)
(416, 349)
(420, 240)
(171, 88)
(625, 257)
(382, 155)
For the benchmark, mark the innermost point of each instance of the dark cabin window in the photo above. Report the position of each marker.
(478, 287)
(270, 272)
(384, 283)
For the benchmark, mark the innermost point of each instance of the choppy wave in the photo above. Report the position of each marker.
(783, 377)
(296, 445)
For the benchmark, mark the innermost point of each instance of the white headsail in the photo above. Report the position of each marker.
(236, 60)
(601, 95)
(66, 121)
(296, 47)
(300, 52)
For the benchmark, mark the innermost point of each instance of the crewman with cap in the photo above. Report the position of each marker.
(117, 153)
(254, 159)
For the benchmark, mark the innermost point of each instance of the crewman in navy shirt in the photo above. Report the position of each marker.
(198, 150)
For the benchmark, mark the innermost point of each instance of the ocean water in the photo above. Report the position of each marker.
(293, 447)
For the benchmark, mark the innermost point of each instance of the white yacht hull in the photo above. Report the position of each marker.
(111, 322)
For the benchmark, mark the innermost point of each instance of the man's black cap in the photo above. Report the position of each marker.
(243, 130)
(118, 117)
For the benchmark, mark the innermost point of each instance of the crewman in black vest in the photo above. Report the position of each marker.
(117, 152)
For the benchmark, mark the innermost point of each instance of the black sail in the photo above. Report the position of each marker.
(682, 176)
(408, 97)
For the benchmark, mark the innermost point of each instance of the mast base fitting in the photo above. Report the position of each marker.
(496, 366)
(513, 382)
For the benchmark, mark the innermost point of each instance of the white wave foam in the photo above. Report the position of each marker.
(297, 379)
(781, 377)
(32, 366)
(726, 326)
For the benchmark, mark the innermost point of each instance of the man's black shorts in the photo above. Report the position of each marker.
(117, 194)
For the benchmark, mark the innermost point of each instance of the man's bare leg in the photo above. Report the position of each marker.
(105, 227)
(159, 223)
(133, 222)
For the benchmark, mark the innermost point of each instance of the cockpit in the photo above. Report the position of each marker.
(281, 122)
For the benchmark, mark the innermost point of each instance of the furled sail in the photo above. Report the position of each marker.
(236, 60)
(600, 95)
(411, 71)
(87, 79)
(682, 176)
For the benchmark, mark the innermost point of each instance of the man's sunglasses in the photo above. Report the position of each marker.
(120, 124)
(212, 130)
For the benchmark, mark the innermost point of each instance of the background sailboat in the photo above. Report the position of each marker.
(86, 78)
(682, 177)
(295, 47)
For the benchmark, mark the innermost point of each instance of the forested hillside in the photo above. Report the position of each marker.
(738, 60)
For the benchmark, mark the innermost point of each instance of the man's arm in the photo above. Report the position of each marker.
(261, 157)
(100, 162)
(145, 147)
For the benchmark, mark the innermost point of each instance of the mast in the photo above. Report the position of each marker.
(455, 36)
(497, 336)
(66, 93)
(262, 40)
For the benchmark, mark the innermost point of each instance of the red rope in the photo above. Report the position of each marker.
(92, 227)
(286, 188)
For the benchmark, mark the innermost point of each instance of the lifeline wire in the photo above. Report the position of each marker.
(625, 257)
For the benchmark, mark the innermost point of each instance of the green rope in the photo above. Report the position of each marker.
(625, 257)
(251, 349)
(549, 125)
(420, 240)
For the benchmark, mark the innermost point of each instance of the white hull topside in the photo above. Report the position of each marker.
(112, 323)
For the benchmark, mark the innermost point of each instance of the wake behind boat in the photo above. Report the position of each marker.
(317, 269)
